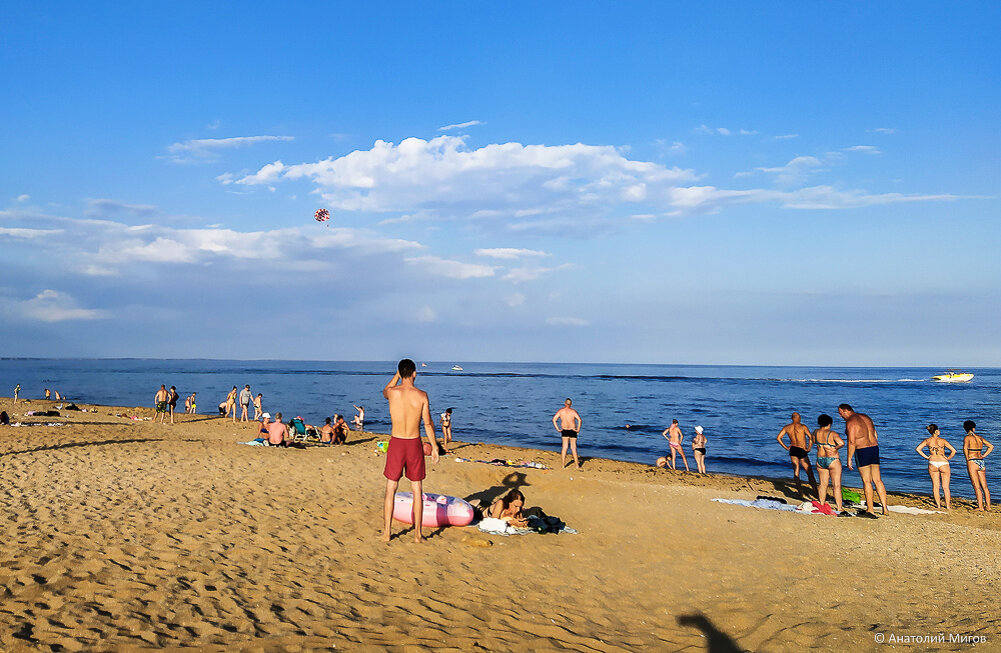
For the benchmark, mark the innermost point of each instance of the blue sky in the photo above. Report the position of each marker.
(746, 183)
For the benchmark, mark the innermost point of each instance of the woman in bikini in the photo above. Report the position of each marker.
(699, 449)
(828, 460)
(231, 403)
(938, 463)
(509, 509)
(973, 447)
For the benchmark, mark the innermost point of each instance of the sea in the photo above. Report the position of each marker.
(624, 407)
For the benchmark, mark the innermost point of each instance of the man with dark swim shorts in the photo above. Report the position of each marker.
(863, 444)
(160, 400)
(569, 426)
(408, 407)
(799, 447)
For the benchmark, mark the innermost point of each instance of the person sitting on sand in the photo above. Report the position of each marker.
(4, 418)
(277, 432)
(799, 451)
(265, 429)
(699, 449)
(508, 508)
(674, 438)
(160, 401)
(973, 447)
(828, 459)
(341, 430)
(938, 463)
(327, 432)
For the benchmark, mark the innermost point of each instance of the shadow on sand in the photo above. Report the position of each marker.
(716, 640)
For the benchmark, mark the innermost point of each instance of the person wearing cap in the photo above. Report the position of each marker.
(265, 425)
(699, 449)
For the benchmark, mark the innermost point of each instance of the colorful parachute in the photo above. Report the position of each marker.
(321, 215)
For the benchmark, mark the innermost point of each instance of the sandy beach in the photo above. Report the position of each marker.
(127, 534)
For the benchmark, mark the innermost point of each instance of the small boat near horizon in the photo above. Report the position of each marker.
(456, 368)
(953, 376)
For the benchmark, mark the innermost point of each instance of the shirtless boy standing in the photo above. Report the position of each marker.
(408, 406)
(569, 427)
(863, 445)
(799, 451)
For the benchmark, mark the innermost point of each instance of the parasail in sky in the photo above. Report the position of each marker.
(321, 215)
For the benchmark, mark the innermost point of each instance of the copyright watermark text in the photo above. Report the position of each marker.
(921, 638)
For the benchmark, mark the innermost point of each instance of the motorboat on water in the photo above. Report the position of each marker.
(953, 376)
(456, 368)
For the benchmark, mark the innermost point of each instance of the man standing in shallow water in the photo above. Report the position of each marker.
(799, 451)
(862, 443)
(408, 406)
(569, 427)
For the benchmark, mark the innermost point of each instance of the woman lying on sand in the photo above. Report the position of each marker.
(938, 464)
(508, 508)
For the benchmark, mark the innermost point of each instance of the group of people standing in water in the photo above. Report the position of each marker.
(863, 452)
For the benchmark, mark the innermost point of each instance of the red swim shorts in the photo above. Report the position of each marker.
(405, 454)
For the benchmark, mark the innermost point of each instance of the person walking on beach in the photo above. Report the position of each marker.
(359, 419)
(245, 397)
(699, 449)
(674, 438)
(569, 427)
(938, 463)
(408, 407)
(973, 447)
(231, 403)
(172, 398)
(828, 459)
(160, 401)
(446, 429)
(864, 446)
(258, 403)
(799, 451)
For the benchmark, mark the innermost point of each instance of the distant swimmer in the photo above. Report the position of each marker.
(799, 451)
(408, 407)
(568, 422)
(973, 447)
(938, 464)
(674, 438)
(160, 401)
(864, 446)
(828, 459)
(699, 448)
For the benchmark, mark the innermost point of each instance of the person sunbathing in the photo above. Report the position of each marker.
(509, 508)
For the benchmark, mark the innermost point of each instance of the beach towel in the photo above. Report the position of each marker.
(816, 508)
(535, 525)
(499, 462)
(908, 510)
(764, 504)
(259, 442)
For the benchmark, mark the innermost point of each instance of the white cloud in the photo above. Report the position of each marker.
(26, 233)
(567, 321)
(23, 198)
(786, 137)
(675, 147)
(521, 275)
(54, 306)
(884, 130)
(748, 132)
(461, 125)
(723, 131)
(205, 148)
(215, 124)
(795, 171)
(452, 269)
(865, 149)
(509, 252)
(517, 299)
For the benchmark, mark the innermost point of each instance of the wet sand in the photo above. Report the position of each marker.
(124, 535)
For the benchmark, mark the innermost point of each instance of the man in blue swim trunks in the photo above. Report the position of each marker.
(864, 446)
